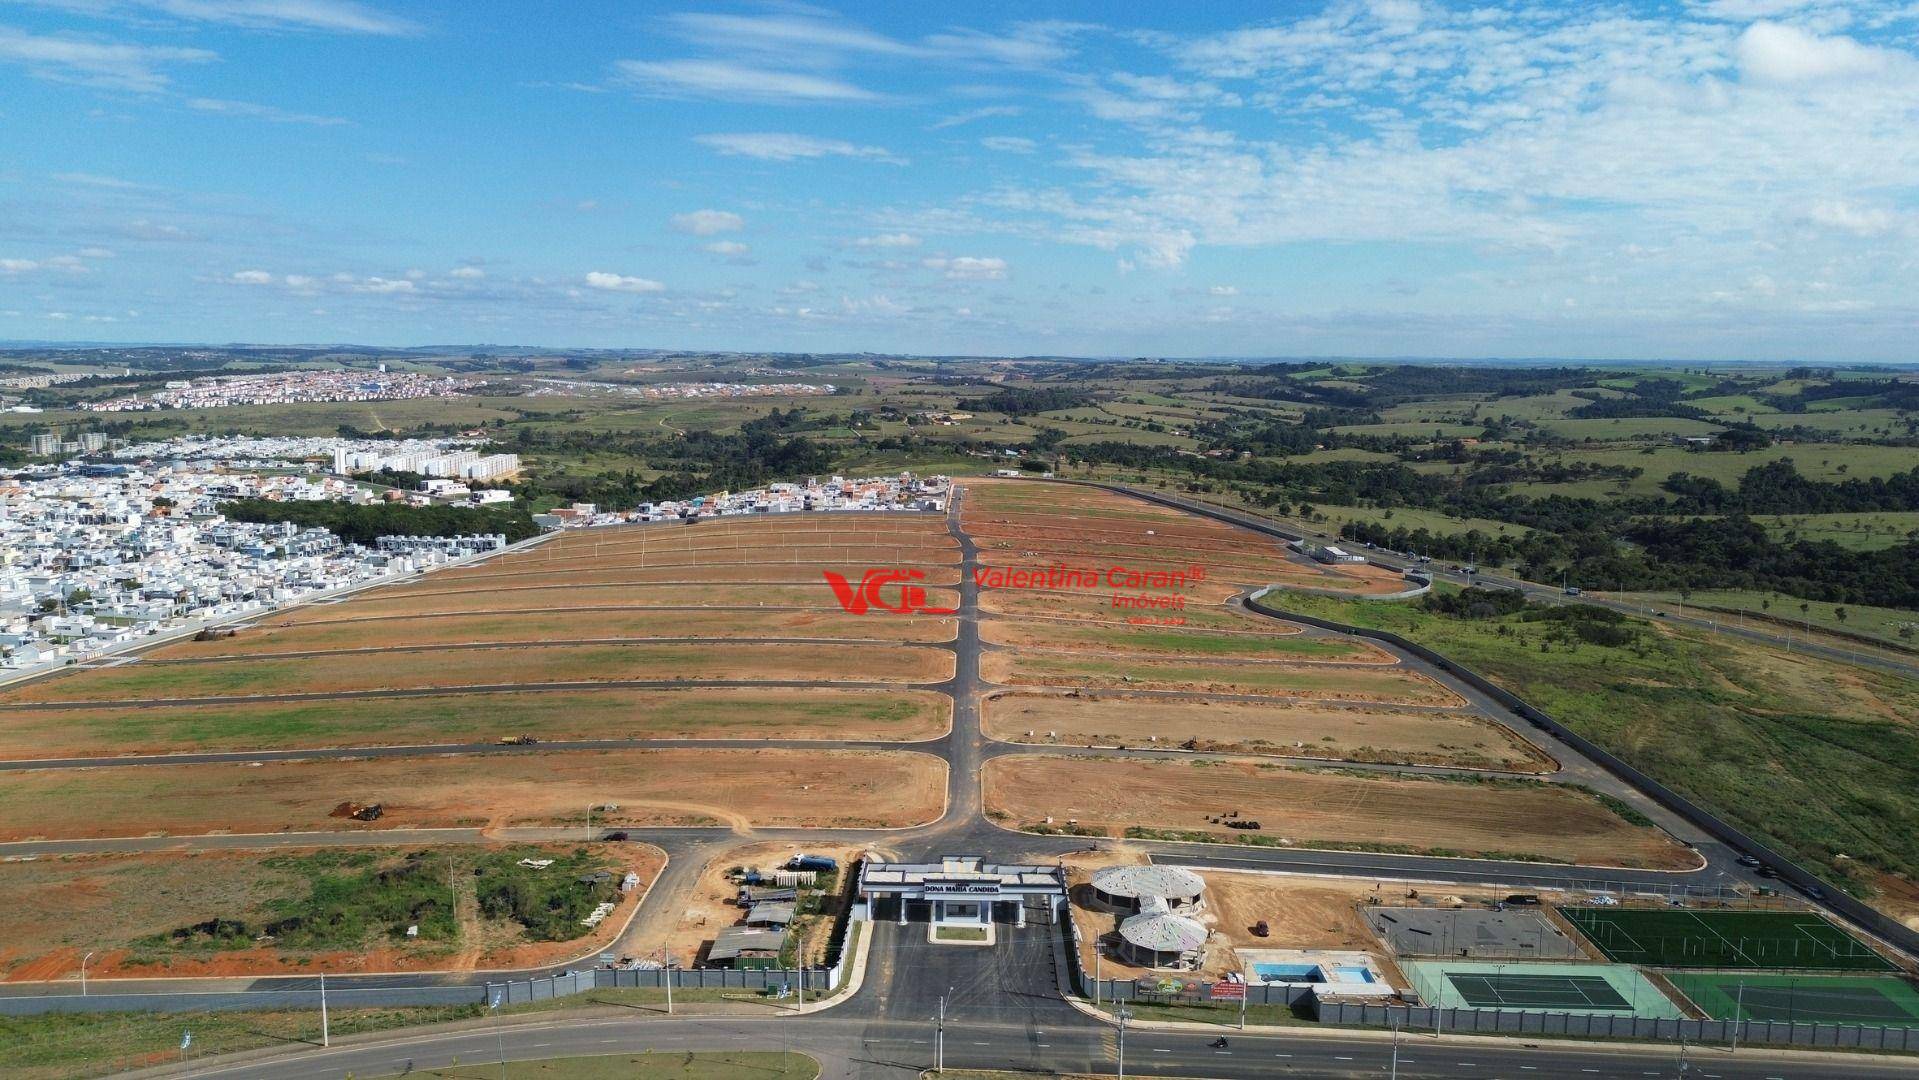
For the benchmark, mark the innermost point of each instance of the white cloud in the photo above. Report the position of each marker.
(95, 253)
(735, 82)
(621, 283)
(1775, 52)
(784, 146)
(467, 273)
(299, 281)
(106, 64)
(968, 268)
(254, 111)
(1223, 290)
(1859, 220)
(708, 222)
(727, 247)
(888, 240)
(17, 266)
(1009, 144)
(334, 16)
(969, 116)
(384, 286)
(252, 277)
(783, 35)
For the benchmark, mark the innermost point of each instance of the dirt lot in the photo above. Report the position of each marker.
(1098, 607)
(741, 788)
(267, 637)
(710, 908)
(703, 557)
(560, 596)
(493, 666)
(778, 572)
(1182, 642)
(706, 713)
(1321, 682)
(1307, 807)
(1282, 729)
(54, 911)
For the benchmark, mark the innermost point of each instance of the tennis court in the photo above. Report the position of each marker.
(1677, 937)
(1609, 989)
(1825, 999)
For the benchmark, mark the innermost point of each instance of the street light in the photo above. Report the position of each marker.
(83, 973)
(939, 1042)
(1124, 1015)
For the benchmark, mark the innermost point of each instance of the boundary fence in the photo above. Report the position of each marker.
(1580, 1025)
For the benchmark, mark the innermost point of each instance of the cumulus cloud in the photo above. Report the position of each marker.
(784, 146)
(1223, 290)
(252, 277)
(599, 279)
(727, 247)
(888, 240)
(1778, 53)
(17, 266)
(708, 222)
(736, 82)
(467, 273)
(968, 268)
(384, 286)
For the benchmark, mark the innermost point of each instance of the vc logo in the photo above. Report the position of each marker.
(859, 599)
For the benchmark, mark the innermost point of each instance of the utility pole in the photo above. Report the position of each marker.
(589, 821)
(83, 973)
(1124, 1014)
(802, 959)
(666, 976)
(939, 1038)
(326, 1032)
(499, 1036)
(1395, 1073)
(1738, 1015)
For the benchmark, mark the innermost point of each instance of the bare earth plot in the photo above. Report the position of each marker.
(822, 713)
(1277, 728)
(561, 595)
(125, 910)
(386, 633)
(347, 673)
(1320, 681)
(1504, 819)
(1097, 607)
(781, 571)
(1179, 641)
(742, 788)
(704, 558)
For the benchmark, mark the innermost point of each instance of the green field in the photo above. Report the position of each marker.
(1818, 757)
(1815, 999)
(1790, 615)
(1858, 532)
(1673, 937)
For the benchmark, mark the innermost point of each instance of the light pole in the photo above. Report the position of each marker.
(83, 973)
(326, 1029)
(939, 1041)
(1738, 1015)
(1395, 1073)
(666, 976)
(1124, 1015)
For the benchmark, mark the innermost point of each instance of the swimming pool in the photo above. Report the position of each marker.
(1352, 973)
(1289, 973)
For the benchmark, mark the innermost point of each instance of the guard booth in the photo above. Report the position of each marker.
(959, 890)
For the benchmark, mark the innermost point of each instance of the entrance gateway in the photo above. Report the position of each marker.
(959, 890)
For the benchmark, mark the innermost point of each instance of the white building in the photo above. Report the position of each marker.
(959, 889)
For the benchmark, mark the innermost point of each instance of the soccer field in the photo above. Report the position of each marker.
(1824, 999)
(1675, 937)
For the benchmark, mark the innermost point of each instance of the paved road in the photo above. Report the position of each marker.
(1003, 1011)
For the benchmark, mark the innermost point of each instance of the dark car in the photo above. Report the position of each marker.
(1766, 871)
(1814, 892)
(1749, 860)
(1523, 899)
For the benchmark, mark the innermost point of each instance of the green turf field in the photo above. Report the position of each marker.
(1823, 999)
(1673, 937)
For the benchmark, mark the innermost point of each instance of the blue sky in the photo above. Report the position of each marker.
(1722, 179)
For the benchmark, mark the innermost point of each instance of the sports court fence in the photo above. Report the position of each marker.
(1585, 1026)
